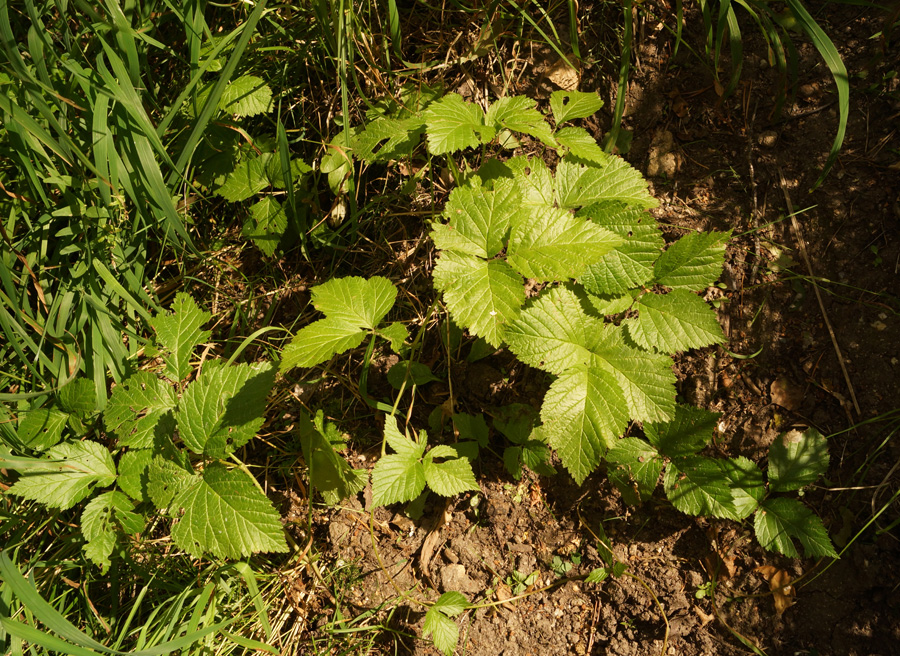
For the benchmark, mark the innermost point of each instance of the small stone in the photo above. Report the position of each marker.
(454, 577)
(768, 138)
(663, 158)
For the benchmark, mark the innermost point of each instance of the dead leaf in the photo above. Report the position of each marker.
(565, 73)
(780, 585)
(433, 539)
(786, 393)
(679, 104)
(704, 618)
(503, 593)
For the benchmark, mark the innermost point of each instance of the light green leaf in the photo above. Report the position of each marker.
(518, 113)
(247, 179)
(451, 603)
(746, 482)
(337, 163)
(318, 341)
(674, 322)
(478, 220)
(697, 486)
(355, 301)
(400, 442)
(100, 524)
(266, 225)
(79, 398)
(630, 264)
(223, 409)
(133, 475)
(41, 428)
(482, 296)
(554, 334)
(246, 95)
(579, 183)
(694, 262)
(84, 465)
(569, 105)
(139, 411)
(797, 459)
(534, 181)
(329, 473)
(646, 379)
(554, 245)
(449, 477)
(453, 124)
(583, 414)
(397, 478)
(396, 334)
(442, 629)
(225, 514)
(178, 333)
(579, 143)
(689, 431)
(609, 305)
(167, 479)
(778, 520)
(386, 139)
(640, 464)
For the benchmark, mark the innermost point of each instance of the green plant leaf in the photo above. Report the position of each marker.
(451, 603)
(225, 514)
(246, 95)
(551, 244)
(694, 262)
(472, 427)
(397, 478)
(266, 225)
(674, 322)
(580, 183)
(746, 482)
(450, 477)
(178, 333)
(133, 475)
(79, 398)
(139, 411)
(419, 374)
(583, 413)
(318, 342)
(483, 296)
(329, 473)
(778, 520)
(639, 463)
(534, 181)
(569, 105)
(611, 305)
(689, 431)
(387, 139)
(478, 220)
(84, 466)
(697, 486)
(442, 629)
(42, 428)
(797, 459)
(102, 520)
(223, 409)
(518, 113)
(166, 479)
(397, 334)
(581, 144)
(400, 442)
(247, 179)
(354, 301)
(646, 379)
(453, 124)
(515, 421)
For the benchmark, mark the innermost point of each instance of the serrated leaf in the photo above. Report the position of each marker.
(797, 459)
(478, 220)
(518, 113)
(337, 162)
(746, 482)
(318, 342)
(178, 333)
(694, 262)
(583, 414)
(42, 428)
(225, 514)
(581, 144)
(329, 473)
(609, 305)
(535, 455)
(165, 480)
(569, 105)
(674, 322)
(580, 183)
(100, 524)
(554, 245)
(453, 125)
(631, 264)
(247, 179)
(697, 486)
(85, 465)
(451, 603)
(449, 477)
(690, 430)
(646, 379)
(79, 398)
(266, 225)
(246, 95)
(779, 520)
(386, 139)
(483, 296)
(298, 168)
(396, 334)
(133, 474)
(554, 334)
(355, 301)
(639, 461)
(442, 629)
(400, 442)
(534, 181)
(397, 478)
(223, 409)
(139, 411)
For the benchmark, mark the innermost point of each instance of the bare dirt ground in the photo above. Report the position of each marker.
(714, 163)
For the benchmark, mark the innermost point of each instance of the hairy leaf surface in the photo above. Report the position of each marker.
(453, 124)
(178, 333)
(139, 411)
(674, 322)
(569, 105)
(579, 143)
(517, 113)
(579, 184)
(778, 520)
(318, 341)
(355, 301)
(638, 467)
(696, 486)
(797, 459)
(478, 220)
(694, 262)
(690, 430)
